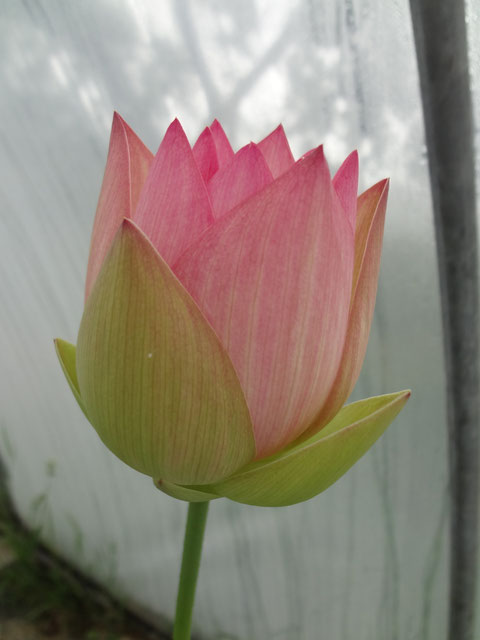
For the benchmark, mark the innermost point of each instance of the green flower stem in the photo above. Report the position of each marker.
(192, 552)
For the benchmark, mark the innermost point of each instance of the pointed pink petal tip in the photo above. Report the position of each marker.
(128, 163)
(381, 188)
(278, 131)
(222, 143)
(245, 175)
(119, 121)
(205, 154)
(175, 127)
(345, 184)
(317, 151)
(316, 156)
(174, 207)
(277, 152)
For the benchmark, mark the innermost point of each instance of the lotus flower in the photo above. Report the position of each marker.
(228, 303)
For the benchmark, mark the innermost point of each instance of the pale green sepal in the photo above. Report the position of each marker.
(66, 355)
(305, 470)
(189, 494)
(158, 386)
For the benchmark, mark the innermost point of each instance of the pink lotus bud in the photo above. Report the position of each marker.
(229, 298)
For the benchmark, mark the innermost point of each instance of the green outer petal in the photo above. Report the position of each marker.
(189, 494)
(66, 354)
(305, 470)
(157, 384)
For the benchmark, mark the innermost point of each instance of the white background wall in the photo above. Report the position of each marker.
(367, 559)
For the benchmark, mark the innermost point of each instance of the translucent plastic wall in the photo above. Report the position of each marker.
(367, 559)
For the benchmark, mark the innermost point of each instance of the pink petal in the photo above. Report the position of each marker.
(345, 184)
(174, 208)
(274, 277)
(224, 148)
(246, 174)
(276, 151)
(205, 154)
(368, 247)
(127, 167)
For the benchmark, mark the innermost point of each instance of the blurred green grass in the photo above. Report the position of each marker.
(39, 588)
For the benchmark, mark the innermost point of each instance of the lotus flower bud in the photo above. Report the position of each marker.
(228, 303)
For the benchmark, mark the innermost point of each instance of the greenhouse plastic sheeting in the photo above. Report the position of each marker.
(368, 559)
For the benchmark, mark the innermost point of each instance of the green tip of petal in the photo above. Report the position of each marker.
(305, 470)
(66, 353)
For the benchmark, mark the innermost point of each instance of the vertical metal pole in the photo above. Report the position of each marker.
(440, 37)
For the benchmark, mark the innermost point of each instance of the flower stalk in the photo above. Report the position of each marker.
(192, 552)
